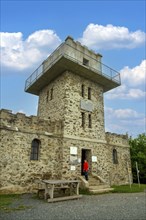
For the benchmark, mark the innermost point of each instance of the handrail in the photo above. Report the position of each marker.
(101, 69)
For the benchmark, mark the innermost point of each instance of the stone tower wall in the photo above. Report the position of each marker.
(66, 105)
(52, 108)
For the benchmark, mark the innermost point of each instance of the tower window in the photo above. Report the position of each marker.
(115, 157)
(51, 97)
(83, 119)
(89, 93)
(47, 96)
(83, 90)
(35, 149)
(90, 121)
(85, 62)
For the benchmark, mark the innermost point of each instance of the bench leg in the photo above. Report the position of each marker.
(46, 191)
(51, 192)
(77, 190)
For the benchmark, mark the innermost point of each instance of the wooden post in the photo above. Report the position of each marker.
(137, 174)
(129, 175)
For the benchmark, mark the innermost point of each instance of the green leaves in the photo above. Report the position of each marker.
(138, 154)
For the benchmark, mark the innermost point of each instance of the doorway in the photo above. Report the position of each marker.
(86, 155)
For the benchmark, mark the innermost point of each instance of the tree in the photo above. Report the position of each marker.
(138, 154)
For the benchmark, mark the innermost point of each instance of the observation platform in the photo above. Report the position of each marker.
(74, 57)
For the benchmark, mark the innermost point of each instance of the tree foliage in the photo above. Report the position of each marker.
(138, 154)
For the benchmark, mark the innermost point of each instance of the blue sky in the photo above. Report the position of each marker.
(31, 30)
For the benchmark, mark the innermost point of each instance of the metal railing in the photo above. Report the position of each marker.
(101, 68)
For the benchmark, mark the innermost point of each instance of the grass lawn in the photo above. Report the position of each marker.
(7, 199)
(119, 189)
(127, 189)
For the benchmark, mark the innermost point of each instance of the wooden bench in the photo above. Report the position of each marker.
(41, 188)
(52, 185)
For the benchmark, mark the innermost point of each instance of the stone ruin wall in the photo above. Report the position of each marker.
(123, 170)
(112, 173)
(18, 172)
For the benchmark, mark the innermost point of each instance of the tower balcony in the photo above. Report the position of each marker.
(72, 56)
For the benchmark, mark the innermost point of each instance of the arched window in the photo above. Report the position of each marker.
(35, 145)
(115, 156)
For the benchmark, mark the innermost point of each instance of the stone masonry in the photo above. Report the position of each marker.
(69, 127)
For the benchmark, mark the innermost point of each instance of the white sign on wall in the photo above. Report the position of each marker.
(73, 150)
(94, 159)
(73, 159)
(72, 168)
(79, 160)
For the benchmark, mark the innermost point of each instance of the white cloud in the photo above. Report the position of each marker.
(126, 113)
(122, 113)
(127, 94)
(21, 54)
(136, 93)
(135, 76)
(108, 37)
(124, 120)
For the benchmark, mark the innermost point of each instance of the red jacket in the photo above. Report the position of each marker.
(85, 166)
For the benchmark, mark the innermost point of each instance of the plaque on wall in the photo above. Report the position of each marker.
(73, 150)
(79, 160)
(87, 105)
(73, 160)
(72, 168)
(94, 159)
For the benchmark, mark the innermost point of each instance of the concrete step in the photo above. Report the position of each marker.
(93, 181)
(94, 187)
(101, 190)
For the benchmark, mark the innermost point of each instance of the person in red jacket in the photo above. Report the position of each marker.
(85, 169)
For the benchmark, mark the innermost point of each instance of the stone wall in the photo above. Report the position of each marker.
(66, 105)
(104, 167)
(31, 124)
(18, 172)
(123, 167)
(53, 108)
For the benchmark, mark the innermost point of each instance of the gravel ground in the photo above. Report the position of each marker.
(130, 206)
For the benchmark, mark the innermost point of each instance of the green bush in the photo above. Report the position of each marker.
(138, 154)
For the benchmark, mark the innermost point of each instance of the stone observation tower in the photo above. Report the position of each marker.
(69, 125)
(70, 84)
